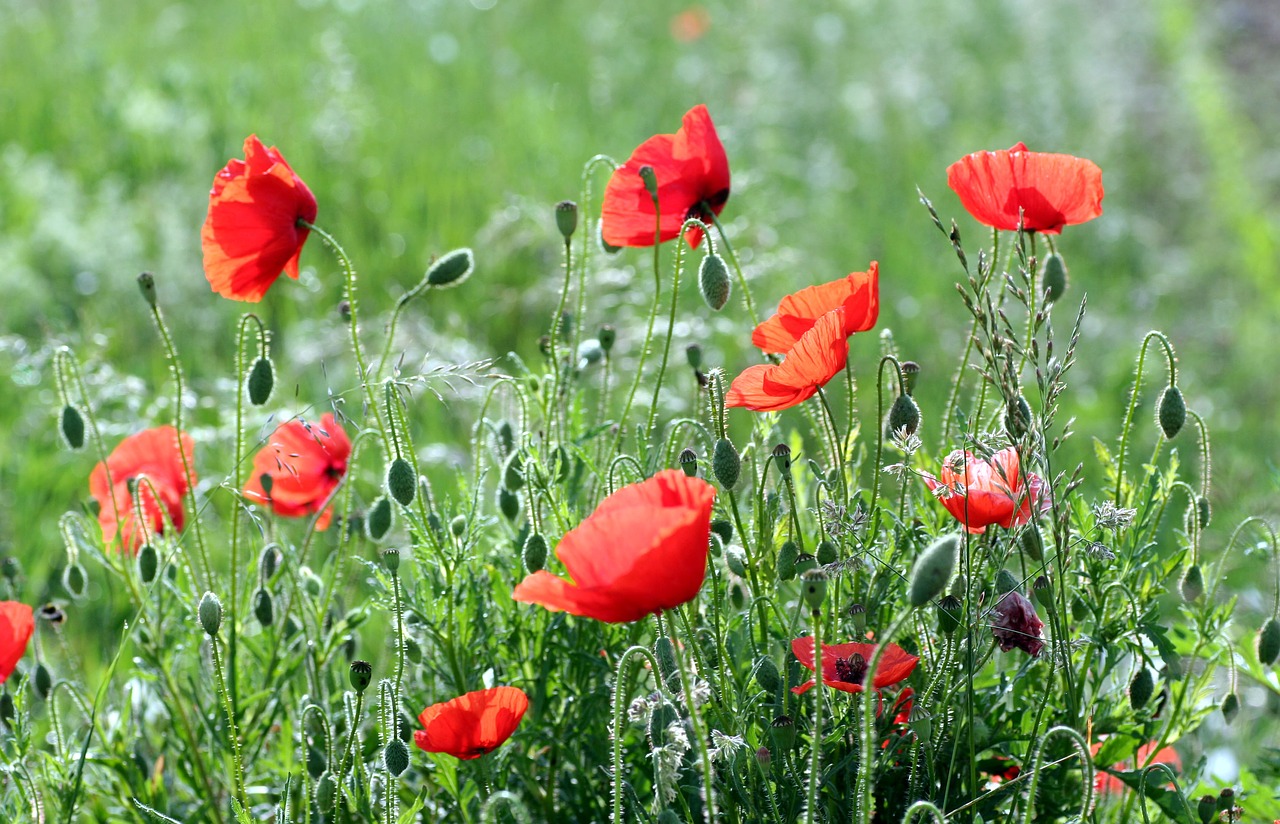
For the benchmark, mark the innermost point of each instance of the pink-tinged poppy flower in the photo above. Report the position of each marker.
(17, 622)
(858, 294)
(473, 724)
(1050, 190)
(251, 233)
(305, 463)
(693, 181)
(981, 492)
(844, 666)
(1106, 784)
(151, 454)
(817, 357)
(643, 550)
(1015, 624)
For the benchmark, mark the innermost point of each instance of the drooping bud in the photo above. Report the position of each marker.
(1203, 512)
(607, 336)
(451, 269)
(787, 555)
(735, 557)
(665, 651)
(784, 732)
(72, 427)
(1269, 642)
(402, 481)
(261, 380)
(650, 178)
(263, 607)
(738, 593)
(725, 463)
(933, 570)
(949, 611)
(1141, 688)
(1192, 584)
(73, 580)
(724, 528)
(904, 416)
(269, 561)
(1054, 276)
(1042, 591)
(567, 218)
(534, 553)
(1032, 543)
(42, 681)
(1006, 581)
(378, 523)
(396, 754)
(693, 354)
(1171, 414)
(1230, 707)
(689, 462)
(508, 503)
(458, 526)
(813, 586)
(1017, 417)
(713, 281)
(827, 552)
(210, 613)
(148, 562)
(513, 472)
(361, 675)
(391, 560)
(147, 285)
(326, 792)
(767, 676)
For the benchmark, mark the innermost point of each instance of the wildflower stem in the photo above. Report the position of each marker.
(352, 733)
(1037, 766)
(621, 691)
(1133, 400)
(561, 371)
(233, 731)
(648, 334)
(737, 268)
(671, 325)
(695, 718)
(815, 749)
(902, 389)
(864, 804)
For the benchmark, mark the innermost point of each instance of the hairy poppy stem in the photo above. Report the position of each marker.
(863, 802)
(1133, 400)
(737, 268)
(1037, 766)
(815, 764)
(622, 691)
(695, 718)
(233, 730)
(921, 808)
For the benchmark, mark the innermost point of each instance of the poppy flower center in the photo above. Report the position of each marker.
(707, 208)
(851, 670)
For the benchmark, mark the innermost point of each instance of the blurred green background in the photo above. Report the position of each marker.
(426, 125)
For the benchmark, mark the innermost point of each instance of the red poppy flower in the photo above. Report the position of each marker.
(1106, 784)
(251, 234)
(305, 463)
(152, 454)
(17, 622)
(858, 294)
(693, 181)
(844, 666)
(818, 355)
(643, 550)
(982, 492)
(473, 724)
(1051, 190)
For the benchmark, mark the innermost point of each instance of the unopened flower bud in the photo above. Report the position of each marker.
(378, 522)
(949, 610)
(1141, 688)
(1054, 277)
(402, 481)
(317, 762)
(665, 651)
(451, 269)
(725, 463)
(269, 561)
(650, 178)
(458, 526)
(663, 716)
(1171, 414)
(724, 528)
(261, 380)
(767, 676)
(764, 758)
(1006, 581)
(1032, 543)
(1269, 642)
(1230, 707)
(735, 558)
(42, 681)
(738, 593)
(904, 416)
(693, 354)
(6, 708)
(326, 792)
(1202, 511)
(1192, 584)
(784, 732)
(787, 555)
(263, 607)
(147, 285)
(689, 462)
(72, 427)
(607, 337)
(1017, 417)
(513, 472)
(813, 587)
(534, 553)
(508, 503)
(148, 562)
(210, 613)
(567, 218)
(1042, 591)
(827, 552)
(396, 757)
(933, 570)
(361, 675)
(713, 281)
(73, 580)
(311, 583)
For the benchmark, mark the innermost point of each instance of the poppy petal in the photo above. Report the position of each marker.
(1050, 190)
(17, 623)
(858, 294)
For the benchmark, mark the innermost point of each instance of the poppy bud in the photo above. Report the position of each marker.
(1230, 707)
(1054, 277)
(689, 462)
(458, 526)
(508, 503)
(269, 561)
(1017, 417)
(311, 583)
(736, 559)
(1032, 543)
(724, 528)
(378, 521)
(433, 521)
(1140, 689)
(858, 615)
(73, 580)
(1207, 808)
(42, 681)
(1192, 584)
(148, 561)
(725, 463)
(1005, 582)
(361, 675)
(1172, 411)
(737, 593)
(764, 758)
(787, 555)
(147, 285)
(904, 416)
(534, 554)
(650, 178)
(693, 354)
(805, 562)
(317, 763)
(933, 570)
(1226, 799)
(72, 427)
(1042, 591)
(813, 586)
(1202, 511)
(451, 269)
(413, 650)
(402, 481)
(261, 380)
(513, 472)
(344, 310)
(396, 757)
(949, 609)
(326, 792)
(663, 716)
(210, 613)
(263, 607)
(1269, 642)
(669, 816)
(6, 707)
(391, 559)
(784, 732)
(910, 371)
(713, 281)
(566, 222)
(827, 552)
(665, 651)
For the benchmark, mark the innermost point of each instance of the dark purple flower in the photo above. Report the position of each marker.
(1015, 624)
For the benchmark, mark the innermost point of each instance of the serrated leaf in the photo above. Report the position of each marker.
(1160, 638)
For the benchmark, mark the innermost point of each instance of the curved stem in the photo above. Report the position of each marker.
(1082, 749)
(621, 691)
(1133, 400)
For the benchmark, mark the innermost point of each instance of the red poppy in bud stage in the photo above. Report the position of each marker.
(251, 234)
(1015, 624)
(17, 622)
(1103, 783)
(981, 492)
(844, 666)
(858, 294)
(152, 454)
(643, 550)
(693, 181)
(818, 355)
(1050, 190)
(473, 724)
(305, 463)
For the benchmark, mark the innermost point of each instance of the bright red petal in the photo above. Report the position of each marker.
(153, 454)
(1051, 190)
(858, 294)
(16, 626)
(471, 725)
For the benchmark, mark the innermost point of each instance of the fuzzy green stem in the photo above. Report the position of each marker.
(737, 268)
(233, 731)
(815, 766)
(1037, 765)
(695, 718)
(864, 804)
(924, 808)
(621, 691)
(1133, 400)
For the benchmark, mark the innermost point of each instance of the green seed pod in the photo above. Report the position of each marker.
(148, 563)
(736, 559)
(713, 281)
(607, 336)
(451, 269)
(725, 463)
(910, 372)
(72, 427)
(391, 559)
(1141, 688)
(396, 757)
(813, 587)
(784, 732)
(724, 528)
(1006, 581)
(1053, 273)
(805, 562)
(665, 651)
(73, 580)
(269, 561)
(1192, 584)
(210, 613)
(513, 472)
(1203, 513)
(1226, 799)
(689, 462)
(921, 724)
(738, 594)
(534, 554)
(263, 607)
(1032, 543)
(663, 716)
(904, 416)
(458, 526)
(42, 681)
(858, 616)
(827, 553)
(566, 222)
(317, 763)
(508, 503)
(402, 481)
(261, 380)
(1269, 642)
(933, 570)
(787, 555)
(361, 675)
(1207, 809)
(326, 792)
(1230, 707)
(1171, 414)
(378, 522)
(1017, 417)
(949, 610)
(147, 286)
(1042, 591)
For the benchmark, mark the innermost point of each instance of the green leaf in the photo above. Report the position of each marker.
(1115, 749)
(1160, 637)
(1170, 802)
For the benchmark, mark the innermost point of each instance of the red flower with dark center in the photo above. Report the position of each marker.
(1015, 624)
(844, 666)
(817, 357)
(981, 492)
(858, 294)
(1051, 190)
(473, 724)
(251, 233)
(152, 454)
(643, 550)
(17, 622)
(305, 463)
(693, 181)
